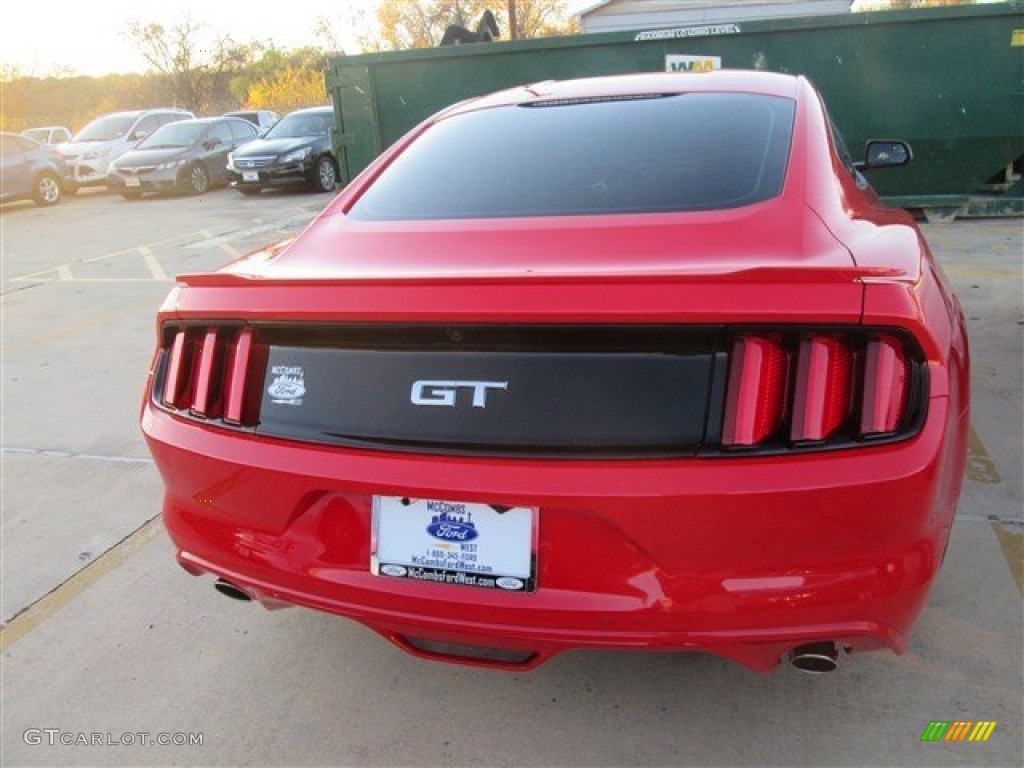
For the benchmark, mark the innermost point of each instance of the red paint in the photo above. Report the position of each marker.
(824, 381)
(742, 555)
(756, 398)
(885, 389)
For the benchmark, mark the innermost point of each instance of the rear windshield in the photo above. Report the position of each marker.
(678, 152)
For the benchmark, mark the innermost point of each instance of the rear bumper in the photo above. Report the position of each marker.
(742, 557)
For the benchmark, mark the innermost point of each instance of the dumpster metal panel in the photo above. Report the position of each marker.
(948, 80)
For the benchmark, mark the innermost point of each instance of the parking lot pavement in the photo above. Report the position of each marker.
(81, 284)
(105, 635)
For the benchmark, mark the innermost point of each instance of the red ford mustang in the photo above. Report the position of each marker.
(630, 363)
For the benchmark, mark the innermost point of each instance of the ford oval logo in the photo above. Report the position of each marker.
(452, 522)
(510, 582)
(393, 570)
(449, 531)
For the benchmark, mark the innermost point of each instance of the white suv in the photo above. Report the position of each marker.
(89, 154)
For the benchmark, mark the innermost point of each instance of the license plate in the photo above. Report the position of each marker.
(250, 175)
(131, 181)
(452, 542)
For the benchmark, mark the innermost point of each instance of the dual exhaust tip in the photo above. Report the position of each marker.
(228, 589)
(815, 658)
(812, 659)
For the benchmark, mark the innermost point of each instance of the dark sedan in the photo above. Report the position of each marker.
(295, 152)
(29, 170)
(187, 156)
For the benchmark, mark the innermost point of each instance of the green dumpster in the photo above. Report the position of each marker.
(948, 80)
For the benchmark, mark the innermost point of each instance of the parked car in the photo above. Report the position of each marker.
(295, 152)
(29, 170)
(95, 147)
(50, 134)
(264, 119)
(184, 156)
(513, 393)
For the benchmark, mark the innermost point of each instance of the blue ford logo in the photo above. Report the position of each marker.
(451, 523)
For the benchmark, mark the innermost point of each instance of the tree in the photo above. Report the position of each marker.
(421, 23)
(542, 18)
(283, 80)
(199, 65)
(288, 89)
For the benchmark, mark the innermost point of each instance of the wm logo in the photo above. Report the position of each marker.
(958, 730)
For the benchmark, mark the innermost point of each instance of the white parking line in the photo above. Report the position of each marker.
(35, 614)
(152, 264)
(15, 451)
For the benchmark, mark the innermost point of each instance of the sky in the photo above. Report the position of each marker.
(89, 37)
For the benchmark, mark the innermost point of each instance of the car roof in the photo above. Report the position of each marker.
(312, 110)
(138, 112)
(29, 139)
(125, 113)
(723, 80)
(215, 119)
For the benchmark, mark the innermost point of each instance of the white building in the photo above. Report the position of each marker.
(615, 15)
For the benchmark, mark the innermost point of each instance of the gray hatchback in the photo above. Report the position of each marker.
(187, 156)
(30, 170)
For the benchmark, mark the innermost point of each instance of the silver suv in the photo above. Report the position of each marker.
(89, 154)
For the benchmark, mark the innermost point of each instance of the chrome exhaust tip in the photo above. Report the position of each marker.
(815, 658)
(228, 589)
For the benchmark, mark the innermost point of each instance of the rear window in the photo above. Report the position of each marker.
(676, 152)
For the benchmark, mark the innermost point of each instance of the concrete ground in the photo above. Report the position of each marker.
(104, 634)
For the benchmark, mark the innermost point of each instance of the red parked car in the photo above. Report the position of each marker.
(632, 363)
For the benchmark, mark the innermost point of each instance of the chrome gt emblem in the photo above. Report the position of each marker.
(445, 393)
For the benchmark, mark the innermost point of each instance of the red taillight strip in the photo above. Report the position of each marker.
(823, 388)
(886, 381)
(236, 376)
(201, 402)
(174, 378)
(756, 395)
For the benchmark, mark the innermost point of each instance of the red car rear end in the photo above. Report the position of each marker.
(712, 397)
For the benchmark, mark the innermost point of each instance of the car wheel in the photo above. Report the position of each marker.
(131, 194)
(249, 190)
(325, 177)
(197, 181)
(47, 189)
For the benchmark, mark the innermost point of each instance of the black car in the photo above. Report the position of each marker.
(187, 156)
(296, 151)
